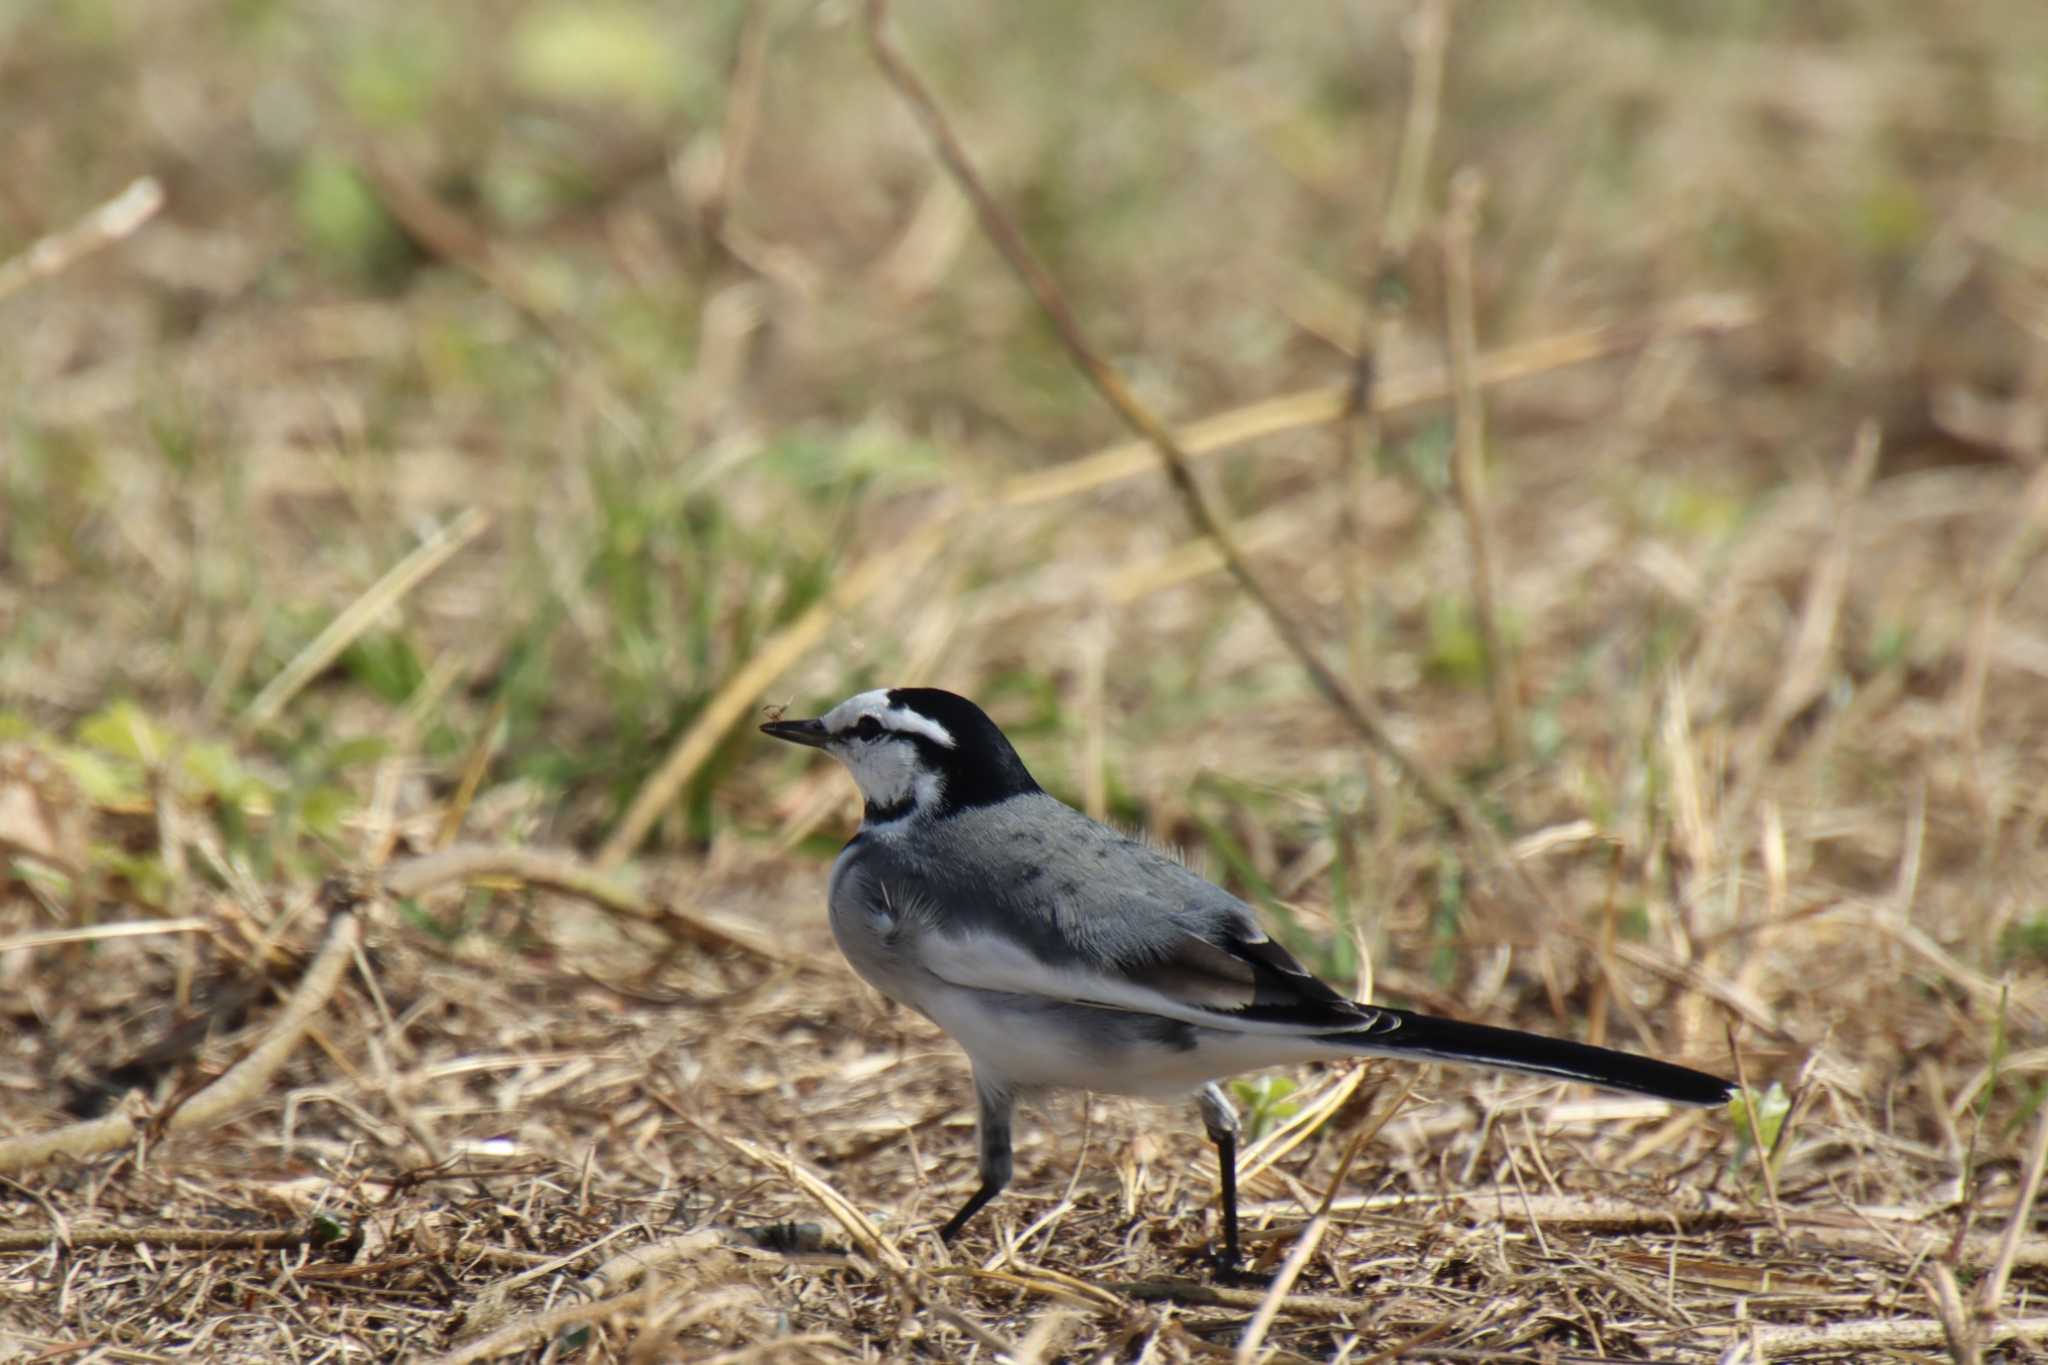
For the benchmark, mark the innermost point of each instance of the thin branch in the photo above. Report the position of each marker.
(572, 877)
(1357, 428)
(1312, 1236)
(1468, 460)
(114, 221)
(93, 933)
(1756, 1132)
(842, 1209)
(1426, 35)
(542, 1325)
(1991, 1293)
(159, 1237)
(1703, 313)
(1362, 716)
(1964, 1345)
(241, 1083)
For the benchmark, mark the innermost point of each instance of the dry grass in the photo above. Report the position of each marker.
(537, 422)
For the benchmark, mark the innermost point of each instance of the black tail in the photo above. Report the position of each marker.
(1397, 1033)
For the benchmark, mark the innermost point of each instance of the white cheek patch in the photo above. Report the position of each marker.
(887, 768)
(886, 771)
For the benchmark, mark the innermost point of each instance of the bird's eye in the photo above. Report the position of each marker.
(868, 728)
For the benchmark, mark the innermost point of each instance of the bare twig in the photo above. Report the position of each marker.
(1390, 393)
(1426, 36)
(571, 876)
(1362, 716)
(240, 1084)
(1991, 1293)
(1223, 1296)
(1837, 1338)
(2000, 572)
(1468, 461)
(93, 933)
(1965, 1345)
(517, 1333)
(157, 1236)
(1756, 1132)
(1311, 1237)
(856, 1223)
(114, 221)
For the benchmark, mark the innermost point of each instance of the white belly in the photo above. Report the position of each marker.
(1031, 1045)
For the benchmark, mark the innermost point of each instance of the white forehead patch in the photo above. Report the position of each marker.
(843, 717)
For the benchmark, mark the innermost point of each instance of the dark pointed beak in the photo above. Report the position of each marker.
(811, 732)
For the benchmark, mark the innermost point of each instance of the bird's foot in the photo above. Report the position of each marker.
(1231, 1273)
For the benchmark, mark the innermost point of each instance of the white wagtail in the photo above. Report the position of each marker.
(1063, 955)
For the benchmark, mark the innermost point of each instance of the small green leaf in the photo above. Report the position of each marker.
(354, 753)
(603, 54)
(213, 770)
(1771, 1107)
(327, 1228)
(144, 872)
(1456, 653)
(324, 808)
(105, 781)
(386, 663)
(2025, 940)
(1267, 1102)
(125, 732)
(343, 220)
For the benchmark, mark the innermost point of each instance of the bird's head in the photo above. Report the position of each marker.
(915, 751)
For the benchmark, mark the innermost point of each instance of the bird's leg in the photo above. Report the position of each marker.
(992, 1128)
(1219, 1116)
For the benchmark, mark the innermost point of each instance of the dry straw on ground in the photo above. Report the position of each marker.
(1764, 788)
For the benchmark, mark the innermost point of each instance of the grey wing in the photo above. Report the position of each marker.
(1098, 919)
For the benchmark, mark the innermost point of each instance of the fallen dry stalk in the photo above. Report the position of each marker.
(1312, 1236)
(513, 1335)
(114, 221)
(1991, 1293)
(430, 554)
(1756, 1134)
(843, 1212)
(630, 1266)
(94, 933)
(159, 1237)
(1328, 402)
(1881, 1334)
(243, 1081)
(1224, 1296)
(572, 877)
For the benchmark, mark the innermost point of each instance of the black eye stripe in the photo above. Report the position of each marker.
(868, 728)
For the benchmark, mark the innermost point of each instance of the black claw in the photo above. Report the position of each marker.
(973, 1206)
(1233, 1275)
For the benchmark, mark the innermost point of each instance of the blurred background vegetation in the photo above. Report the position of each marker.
(673, 295)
